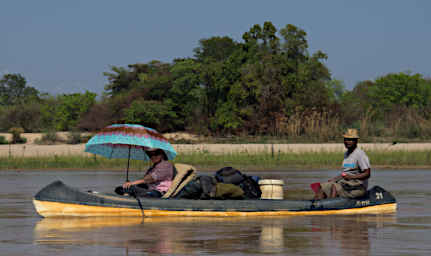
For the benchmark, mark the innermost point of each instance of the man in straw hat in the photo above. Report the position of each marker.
(353, 181)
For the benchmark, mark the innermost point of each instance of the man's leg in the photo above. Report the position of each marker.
(319, 194)
(325, 191)
(334, 193)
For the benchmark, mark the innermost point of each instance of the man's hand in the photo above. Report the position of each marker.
(347, 176)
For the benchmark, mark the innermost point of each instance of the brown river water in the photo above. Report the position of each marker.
(407, 232)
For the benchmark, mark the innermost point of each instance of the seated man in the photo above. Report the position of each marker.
(353, 181)
(157, 179)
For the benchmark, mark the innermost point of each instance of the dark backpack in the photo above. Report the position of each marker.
(229, 175)
(247, 183)
(202, 187)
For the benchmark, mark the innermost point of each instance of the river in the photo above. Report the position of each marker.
(407, 232)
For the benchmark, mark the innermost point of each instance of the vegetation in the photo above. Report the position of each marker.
(243, 161)
(75, 137)
(48, 138)
(16, 135)
(3, 140)
(267, 85)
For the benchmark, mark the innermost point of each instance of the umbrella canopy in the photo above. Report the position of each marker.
(128, 141)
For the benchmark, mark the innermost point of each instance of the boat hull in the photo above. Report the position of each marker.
(58, 199)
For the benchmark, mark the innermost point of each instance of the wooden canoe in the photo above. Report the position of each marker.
(57, 199)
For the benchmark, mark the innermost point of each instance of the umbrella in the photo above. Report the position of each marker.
(128, 141)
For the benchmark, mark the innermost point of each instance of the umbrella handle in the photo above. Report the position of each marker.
(128, 162)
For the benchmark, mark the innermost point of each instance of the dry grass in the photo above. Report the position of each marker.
(312, 125)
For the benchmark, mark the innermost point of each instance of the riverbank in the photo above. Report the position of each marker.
(203, 160)
(34, 150)
(213, 156)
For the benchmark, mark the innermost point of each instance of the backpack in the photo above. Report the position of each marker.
(201, 187)
(249, 184)
(251, 188)
(229, 175)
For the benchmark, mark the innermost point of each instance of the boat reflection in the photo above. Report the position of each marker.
(349, 235)
(226, 235)
(80, 224)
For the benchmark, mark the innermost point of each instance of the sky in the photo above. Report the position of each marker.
(64, 46)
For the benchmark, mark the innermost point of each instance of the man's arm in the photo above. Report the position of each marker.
(360, 176)
(148, 179)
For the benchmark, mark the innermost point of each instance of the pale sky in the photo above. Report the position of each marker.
(64, 46)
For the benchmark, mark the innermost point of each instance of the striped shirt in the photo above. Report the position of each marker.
(355, 163)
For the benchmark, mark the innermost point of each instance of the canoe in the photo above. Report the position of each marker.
(60, 200)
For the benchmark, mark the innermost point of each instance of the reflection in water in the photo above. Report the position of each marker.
(225, 235)
(347, 235)
(80, 224)
(271, 238)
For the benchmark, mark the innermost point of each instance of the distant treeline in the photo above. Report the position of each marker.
(268, 84)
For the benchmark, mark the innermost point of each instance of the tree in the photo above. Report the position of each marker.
(215, 48)
(14, 90)
(124, 79)
(401, 89)
(70, 108)
(27, 116)
(230, 87)
(295, 45)
(186, 94)
(152, 114)
(336, 90)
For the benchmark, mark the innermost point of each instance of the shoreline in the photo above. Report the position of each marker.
(214, 156)
(34, 150)
(208, 157)
(214, 169)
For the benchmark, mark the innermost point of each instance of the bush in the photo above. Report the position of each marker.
(74, 138)
(3, 140)
(16, 135)
(48, 138)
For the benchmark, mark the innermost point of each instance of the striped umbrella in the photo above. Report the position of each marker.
(128, 141)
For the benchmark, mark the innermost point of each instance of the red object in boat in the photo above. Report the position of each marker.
(315, 187)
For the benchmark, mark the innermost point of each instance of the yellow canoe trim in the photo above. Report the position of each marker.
(56, 209)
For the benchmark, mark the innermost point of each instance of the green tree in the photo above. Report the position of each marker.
(14, 90)
(229, 87)
(215, 48)
(28, 116)
(186, 94)
(401, 89)
(336, 89)
(151, 114)
(70, 108)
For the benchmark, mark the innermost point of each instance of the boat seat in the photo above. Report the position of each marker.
(185, 173)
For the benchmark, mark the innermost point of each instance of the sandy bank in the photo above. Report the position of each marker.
(31, 150)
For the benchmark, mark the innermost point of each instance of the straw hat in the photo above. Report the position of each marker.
(351, 134)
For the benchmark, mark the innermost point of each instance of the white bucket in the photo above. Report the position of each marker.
(271, 189)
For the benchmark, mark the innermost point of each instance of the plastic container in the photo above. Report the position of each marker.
(271, 189)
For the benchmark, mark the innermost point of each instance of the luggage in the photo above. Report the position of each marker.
(228, 183)
(249, 184)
